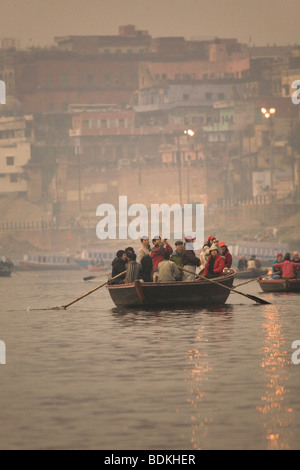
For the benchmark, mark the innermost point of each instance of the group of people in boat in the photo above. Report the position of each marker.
(252, 263)
(6, 264)
(160, 263)
(287, 266)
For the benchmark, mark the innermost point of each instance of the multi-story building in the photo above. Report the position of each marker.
(16, 135)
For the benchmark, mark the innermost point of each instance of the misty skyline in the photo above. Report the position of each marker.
(255, 22)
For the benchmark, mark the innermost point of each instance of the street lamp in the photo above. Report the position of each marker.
(268, 113)
(190, 133)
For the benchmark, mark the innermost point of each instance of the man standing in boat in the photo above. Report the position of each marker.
(189, 260)
(144, 248)
(161, 245)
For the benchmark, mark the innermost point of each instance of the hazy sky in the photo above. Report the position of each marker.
(37, 22)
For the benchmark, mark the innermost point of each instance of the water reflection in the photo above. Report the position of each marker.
(201, 371)
(277, 416)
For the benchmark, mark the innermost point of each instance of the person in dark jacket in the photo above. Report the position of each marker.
(189, 260)
(243, 263)
(118, 267)
(147, 268)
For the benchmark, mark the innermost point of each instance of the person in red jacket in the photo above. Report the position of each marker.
(226, 255)
(215, 264)
(288, 268)
(160, 246)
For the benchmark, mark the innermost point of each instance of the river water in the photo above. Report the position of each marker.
(92, 377)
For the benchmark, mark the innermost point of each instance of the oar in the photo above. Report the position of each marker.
(89, 278)
(252, 297)
(64, 307)
(252, 280)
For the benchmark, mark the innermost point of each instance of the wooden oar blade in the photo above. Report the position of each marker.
(89, 278)
(258, 299)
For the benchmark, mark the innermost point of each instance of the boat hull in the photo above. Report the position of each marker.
(5, 272)
(251, 273)
(171, 295)
(280, 285)
(47, 266)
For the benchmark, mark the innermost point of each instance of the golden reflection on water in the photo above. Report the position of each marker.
(199, 374)
(277, 416)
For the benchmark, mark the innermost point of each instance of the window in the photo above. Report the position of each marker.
(221, 96)
(10, 161)
(107, 79)
(186, 97)
(90, 80)
(49, 80)
(208, 96)
(64, 80)
(13, 178)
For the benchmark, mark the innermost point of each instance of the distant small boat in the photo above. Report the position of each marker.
(280, 285)
(95, 268)
(171, 295)
(249, 273)
(48, 261)
(6, 266)
(5, 272)
(89, 256)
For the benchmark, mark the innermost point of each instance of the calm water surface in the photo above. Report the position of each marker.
(92, 377)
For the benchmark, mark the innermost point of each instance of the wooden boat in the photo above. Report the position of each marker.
(5, 272)
(6, 266)
(280, 285)
(172, 295)
(249, 273)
